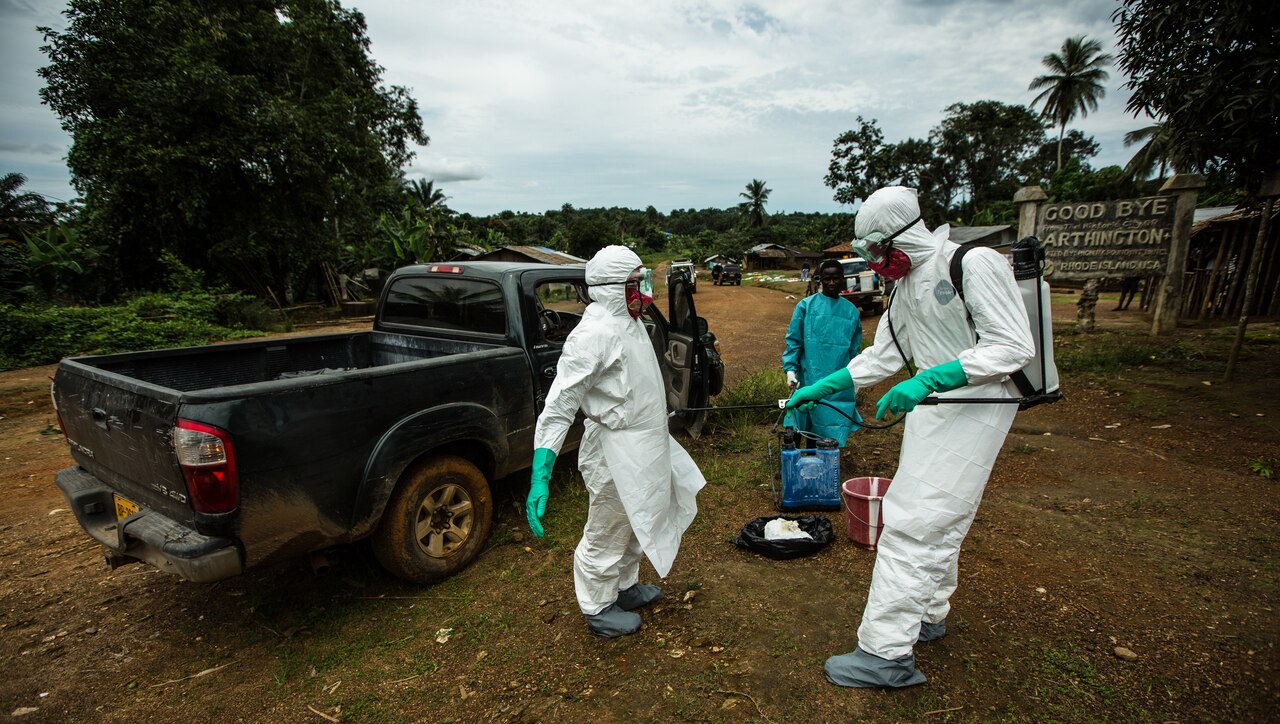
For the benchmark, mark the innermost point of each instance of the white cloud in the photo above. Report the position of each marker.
(443, 170)
(675, 103)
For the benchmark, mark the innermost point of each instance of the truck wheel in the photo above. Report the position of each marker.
(436, 521)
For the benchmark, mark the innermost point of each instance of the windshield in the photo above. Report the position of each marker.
(854, 266)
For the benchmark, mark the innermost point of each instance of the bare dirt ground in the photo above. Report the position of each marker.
(1126, 515)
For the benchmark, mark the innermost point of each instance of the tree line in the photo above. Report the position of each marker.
(256, 145)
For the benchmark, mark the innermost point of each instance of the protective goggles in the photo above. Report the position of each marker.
(638, 288)
(875, 247)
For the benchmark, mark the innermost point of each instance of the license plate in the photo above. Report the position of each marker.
(124, 507)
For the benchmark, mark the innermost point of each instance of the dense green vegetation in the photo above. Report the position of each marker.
(195, 131)
(185, 311)
(36, 334)
(253, 137)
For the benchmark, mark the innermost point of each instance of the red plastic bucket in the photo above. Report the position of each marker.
(862, 498)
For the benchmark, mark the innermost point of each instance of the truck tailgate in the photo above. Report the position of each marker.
(121, 431)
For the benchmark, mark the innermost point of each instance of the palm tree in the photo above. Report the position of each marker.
(20, 211)
(1155, 150)
(425, 193)
(1073, 85)
(756, 197)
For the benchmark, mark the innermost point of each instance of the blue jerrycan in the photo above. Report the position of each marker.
(811, 478)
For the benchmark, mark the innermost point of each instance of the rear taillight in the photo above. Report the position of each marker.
(208, 463)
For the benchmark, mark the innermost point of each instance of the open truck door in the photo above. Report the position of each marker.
(678, 344)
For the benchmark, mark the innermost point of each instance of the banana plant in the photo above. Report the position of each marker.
(57, 258)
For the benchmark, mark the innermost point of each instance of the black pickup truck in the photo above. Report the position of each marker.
(207, 461)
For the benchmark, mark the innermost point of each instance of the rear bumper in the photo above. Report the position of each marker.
(147, 535)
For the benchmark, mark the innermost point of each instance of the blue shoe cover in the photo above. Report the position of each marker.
(613, 622)
(863, 670)
(932, 631)
(638, 596)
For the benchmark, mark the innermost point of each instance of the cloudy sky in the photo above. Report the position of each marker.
(674, 103)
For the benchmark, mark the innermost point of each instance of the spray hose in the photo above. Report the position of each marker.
(782, 415)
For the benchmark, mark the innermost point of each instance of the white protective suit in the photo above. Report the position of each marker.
(642, 483)
(947, 450)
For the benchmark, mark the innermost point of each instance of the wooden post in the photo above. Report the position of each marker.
(1220, 305)
(1275, 297)
(1184, 187)
(1272, 270)
(1028, 200)
(1250, 284)
(1213, 276)
(1270, 189)
(1241, 259)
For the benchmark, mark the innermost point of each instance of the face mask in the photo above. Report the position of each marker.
(893, 268)
(639, 291)
(880, 254)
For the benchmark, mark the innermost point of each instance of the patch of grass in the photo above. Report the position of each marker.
(423, 662)
(366, 707)
(1024, 449)
(1069, 687)
(329, 637)
(1147, 402)
(763, 387)
(1263, 467)
(733, 443)
(1113, 353)
(734, 460)
(1262, 335)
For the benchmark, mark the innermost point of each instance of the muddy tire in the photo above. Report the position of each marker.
(436, 521)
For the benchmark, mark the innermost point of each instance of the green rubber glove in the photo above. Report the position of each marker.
(904, 396)
(835, 382)
(535, 506)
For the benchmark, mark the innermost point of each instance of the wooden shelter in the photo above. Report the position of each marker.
(777, 256)
(1222, 241)
(530, 253)
(991, 236)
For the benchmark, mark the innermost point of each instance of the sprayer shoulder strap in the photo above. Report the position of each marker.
(957, 281)
(1020, 379)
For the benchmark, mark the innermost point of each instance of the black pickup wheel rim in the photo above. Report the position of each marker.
(444, 521)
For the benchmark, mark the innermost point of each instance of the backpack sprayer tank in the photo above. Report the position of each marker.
(1040, 383)
(1037, 382)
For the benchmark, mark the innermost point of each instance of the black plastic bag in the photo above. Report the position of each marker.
(752, 537)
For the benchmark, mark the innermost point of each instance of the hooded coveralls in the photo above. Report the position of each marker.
(824, 335)
(947, 450)
(641, 482)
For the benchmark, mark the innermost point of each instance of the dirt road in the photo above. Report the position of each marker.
(1126, 516)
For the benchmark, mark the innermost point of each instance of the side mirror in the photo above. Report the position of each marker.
(702, 326)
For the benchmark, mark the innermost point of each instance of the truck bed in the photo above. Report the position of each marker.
(249, 363)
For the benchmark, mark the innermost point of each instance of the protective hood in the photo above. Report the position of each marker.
(887, 211)
(609, 269)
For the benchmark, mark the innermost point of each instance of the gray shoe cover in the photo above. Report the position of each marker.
(861, 669)
(613, 622)
(932, 631)
(638, 596)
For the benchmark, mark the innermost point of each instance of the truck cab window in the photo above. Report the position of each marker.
(560, 308)
(450, 303)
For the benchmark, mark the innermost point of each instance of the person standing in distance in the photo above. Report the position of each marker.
(825, 333)
(948, 449)
(642, 485)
